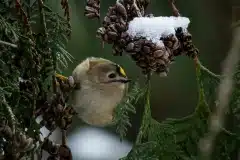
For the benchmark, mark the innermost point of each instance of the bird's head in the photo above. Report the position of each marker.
(101, 72)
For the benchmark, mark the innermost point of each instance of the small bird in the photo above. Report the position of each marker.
(100, 86)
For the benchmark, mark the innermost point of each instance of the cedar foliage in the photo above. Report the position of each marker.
(32, 43)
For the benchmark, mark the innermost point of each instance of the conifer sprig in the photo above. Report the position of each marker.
(122, 120)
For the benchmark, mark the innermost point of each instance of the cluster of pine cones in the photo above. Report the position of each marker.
(149, 56)
(21, 143)
(54, 112)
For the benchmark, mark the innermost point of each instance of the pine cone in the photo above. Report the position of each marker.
(149, 56)
(186, 45)
(114, 24)
(92, 9)
(171, 42)
(23, 143)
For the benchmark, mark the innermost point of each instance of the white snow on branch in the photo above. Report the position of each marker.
(154, 28)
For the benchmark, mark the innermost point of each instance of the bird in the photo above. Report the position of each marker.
(100, 85)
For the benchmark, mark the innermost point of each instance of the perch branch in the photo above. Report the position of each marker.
(8, 44)
(223, 96)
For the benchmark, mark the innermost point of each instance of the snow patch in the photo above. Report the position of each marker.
(154, 28)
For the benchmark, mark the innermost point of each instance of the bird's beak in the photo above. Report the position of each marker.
(121, 80)
(125, 80)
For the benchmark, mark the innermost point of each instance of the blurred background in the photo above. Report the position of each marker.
(172, 97)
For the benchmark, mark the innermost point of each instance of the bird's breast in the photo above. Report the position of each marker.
(95, 106)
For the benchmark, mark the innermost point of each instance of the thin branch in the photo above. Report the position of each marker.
(177, 14)
(174, 8)
(146, 113)
(24, 16)
(236, 24)
(11, 115)
(197, 61)
(8, 44)
(136, 8)
(42, 16)
(64, 137)
(223, 96)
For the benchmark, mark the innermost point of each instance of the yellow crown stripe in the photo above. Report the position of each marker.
(122, 71)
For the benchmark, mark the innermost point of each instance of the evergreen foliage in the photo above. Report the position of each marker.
(29, 57)
(127, 106)
(32, 44)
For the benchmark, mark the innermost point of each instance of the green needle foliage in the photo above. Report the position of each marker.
(178, 139)
(32, 44)
(127, 106)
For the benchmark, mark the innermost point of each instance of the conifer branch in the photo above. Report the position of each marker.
(201, 96)
(10, 113)
(147, 112)
(202, 67)
(127, 106)
(42, 16)
(8, 44)
(23, 16)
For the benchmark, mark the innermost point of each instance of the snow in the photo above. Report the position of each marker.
(154, 28)
(91, 143)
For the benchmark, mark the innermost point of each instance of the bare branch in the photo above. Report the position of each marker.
(8, 44)
(223, 96)
(136, 8)
(174, 8)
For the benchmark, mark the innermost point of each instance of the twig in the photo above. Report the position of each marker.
(223, 96)
(136, 8)
(42, 143)
(146, 113)
(64, 137)
(174, 8)
(42, 16)
(66, 8)
(177, 14)
(8, 44)
(11, 115)
(197, 61)
(24, 16)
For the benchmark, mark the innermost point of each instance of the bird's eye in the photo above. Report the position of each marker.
(112, 75)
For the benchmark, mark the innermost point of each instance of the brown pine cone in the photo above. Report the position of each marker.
(149, 56)
(92, 9)
(186, 45)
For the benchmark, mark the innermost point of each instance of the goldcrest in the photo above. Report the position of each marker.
(100, 86)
